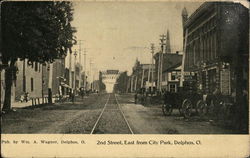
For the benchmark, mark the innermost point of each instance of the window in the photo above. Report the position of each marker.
(31, 84)
(172, 76)
(203, 80)
(24, 84)
(36, 66)
(212, 80)
(172, 87)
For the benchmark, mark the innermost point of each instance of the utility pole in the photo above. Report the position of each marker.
(84, 67)
(183, 60)
(90, 73)
(75, 54)
(142, 78)
(162, 39)
(149, 71)
(70, 69)
(80, 59)
(152, 70)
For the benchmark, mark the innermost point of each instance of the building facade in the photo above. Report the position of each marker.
(142, 77)
(171, 71)
(28, 79)
(109, 78)
(217, 45)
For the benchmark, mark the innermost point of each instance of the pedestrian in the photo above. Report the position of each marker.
(26, 96)
(136, 98)
(72, 96)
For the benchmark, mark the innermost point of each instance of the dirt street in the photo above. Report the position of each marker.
(80, 117)
(150, 120)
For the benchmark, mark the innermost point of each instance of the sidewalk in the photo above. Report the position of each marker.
(25, 104)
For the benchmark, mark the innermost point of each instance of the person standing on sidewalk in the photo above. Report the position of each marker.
(72, 96)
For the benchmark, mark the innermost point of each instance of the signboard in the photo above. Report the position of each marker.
(225, 82)
(149, 84)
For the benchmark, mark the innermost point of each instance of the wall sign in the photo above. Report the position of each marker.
(225, 82)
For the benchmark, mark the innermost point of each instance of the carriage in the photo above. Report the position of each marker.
(190, 101)
(186, 100)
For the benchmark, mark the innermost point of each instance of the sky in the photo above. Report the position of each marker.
(114, 34)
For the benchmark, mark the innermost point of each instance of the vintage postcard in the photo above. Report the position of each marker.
(124, 78)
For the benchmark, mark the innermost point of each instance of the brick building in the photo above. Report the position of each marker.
(217, 46)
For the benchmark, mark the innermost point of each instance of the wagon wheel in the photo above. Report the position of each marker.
(187, 108)
(180, 110)
(201, 107)
(167, 109)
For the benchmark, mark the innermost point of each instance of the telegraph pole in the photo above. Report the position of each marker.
(84, 67)
(75, 54)
(70, 69)
(183, 60)
(90, 73)
(80, 59)
(152, 70)
(162, 39)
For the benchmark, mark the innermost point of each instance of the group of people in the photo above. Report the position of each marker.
(25, 97)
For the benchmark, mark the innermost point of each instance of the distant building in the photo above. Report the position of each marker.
(142, 76)
(109, 78)
(78, 76)
(95, 85)
(171, 71)
(169, 77)
(60, 81)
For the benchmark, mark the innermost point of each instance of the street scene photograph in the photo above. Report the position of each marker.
(127, 67)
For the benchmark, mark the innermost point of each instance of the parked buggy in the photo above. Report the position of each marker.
(185, 100)
(189, 101)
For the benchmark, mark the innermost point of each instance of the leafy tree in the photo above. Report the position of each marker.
(102, 86)
(36, 31)
(122, 82)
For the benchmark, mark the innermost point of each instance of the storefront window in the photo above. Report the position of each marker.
(172, 88)
(211, 80)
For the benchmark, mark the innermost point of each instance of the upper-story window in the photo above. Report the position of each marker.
(31, 84)
(173, 76)
(36, 66)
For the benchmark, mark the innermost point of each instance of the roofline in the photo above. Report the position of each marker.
(197, 12)
(203, 8)
(174, 66)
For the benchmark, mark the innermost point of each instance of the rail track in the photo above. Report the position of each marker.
(112, 119)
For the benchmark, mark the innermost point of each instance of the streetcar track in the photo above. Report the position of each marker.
(113, 109)
(130, 129)
(99, 116)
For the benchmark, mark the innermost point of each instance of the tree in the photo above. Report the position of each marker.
(122, 82)
(36, 31)
(102, 86)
